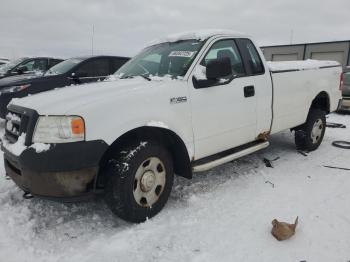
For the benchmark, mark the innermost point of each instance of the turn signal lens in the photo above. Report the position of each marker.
(78, 127)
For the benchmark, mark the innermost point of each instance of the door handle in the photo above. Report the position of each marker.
(249, 91)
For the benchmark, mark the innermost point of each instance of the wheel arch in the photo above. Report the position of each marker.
(172, 141)
(321, 101)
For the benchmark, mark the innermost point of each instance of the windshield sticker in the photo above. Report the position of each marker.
(181, 53)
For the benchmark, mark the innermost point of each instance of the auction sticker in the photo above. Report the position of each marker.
(181, 53)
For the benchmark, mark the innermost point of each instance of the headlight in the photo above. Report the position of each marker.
(59, 129)
(13, 89)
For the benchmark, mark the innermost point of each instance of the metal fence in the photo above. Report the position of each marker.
(336, 51)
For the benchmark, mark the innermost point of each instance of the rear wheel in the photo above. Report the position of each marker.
(140, 179)
(310, 135)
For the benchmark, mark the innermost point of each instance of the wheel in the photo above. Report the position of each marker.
(139, 181)
(310, 135)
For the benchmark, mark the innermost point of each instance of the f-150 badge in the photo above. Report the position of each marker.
(176, 100)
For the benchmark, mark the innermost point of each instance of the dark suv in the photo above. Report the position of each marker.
(26, 65)
(72, 71)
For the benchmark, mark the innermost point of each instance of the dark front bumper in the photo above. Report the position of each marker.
(345, 103)
(66, 171)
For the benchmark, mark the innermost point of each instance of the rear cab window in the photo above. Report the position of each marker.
(251, 57)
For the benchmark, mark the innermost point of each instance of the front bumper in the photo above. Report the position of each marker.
(345, 103)
(64, 172)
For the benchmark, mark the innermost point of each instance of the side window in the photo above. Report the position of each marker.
(94, 68)
(117, 63)
(28, 66)
(253, 58)
(39, 65)
(226, 48)
(53, 62)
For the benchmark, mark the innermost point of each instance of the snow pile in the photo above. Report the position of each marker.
(200, 73)
(197, 35)
(15, 148)
(113, 77)
(165, 78)
(40, 147)
(13, 117)
(300, 65)
(18, 147)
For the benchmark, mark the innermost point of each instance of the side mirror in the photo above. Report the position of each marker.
(74, 77)
(218, 68)
(21, 69)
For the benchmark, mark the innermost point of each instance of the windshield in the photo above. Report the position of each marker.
(171, 59)
(64, 66)
(6, 67)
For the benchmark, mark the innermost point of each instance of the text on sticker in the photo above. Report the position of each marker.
(181, 53)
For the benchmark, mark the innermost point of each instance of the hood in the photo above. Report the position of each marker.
(65, 100)
(18, 79)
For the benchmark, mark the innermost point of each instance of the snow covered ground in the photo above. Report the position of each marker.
(221, 215)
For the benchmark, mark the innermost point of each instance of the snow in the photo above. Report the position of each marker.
(221, 215)
(15, 148)
(197, 35)
(165, 78)
(300, 65)
(13, 117)
(157, 124)
(18, 147)
(136, 149)
(200, 72)
(40, 147)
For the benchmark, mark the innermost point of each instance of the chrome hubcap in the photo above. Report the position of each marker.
(316, 131)
(149, 182)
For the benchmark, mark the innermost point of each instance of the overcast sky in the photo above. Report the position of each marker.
(63, 28)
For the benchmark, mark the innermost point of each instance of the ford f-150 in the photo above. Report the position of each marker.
(184, 104)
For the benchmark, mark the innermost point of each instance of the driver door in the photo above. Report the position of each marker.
(223, 113)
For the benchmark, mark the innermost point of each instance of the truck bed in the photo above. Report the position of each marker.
(288, 66)
(296, 84)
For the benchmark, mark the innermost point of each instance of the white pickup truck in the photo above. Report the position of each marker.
(184, 104)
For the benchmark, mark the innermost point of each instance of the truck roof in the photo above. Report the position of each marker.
(198, 34)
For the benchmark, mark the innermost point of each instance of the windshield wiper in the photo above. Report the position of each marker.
(146, 77)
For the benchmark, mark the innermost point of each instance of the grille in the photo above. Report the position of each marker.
(15, 126)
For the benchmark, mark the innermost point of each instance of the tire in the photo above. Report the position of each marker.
(139, 182)
(310, 135)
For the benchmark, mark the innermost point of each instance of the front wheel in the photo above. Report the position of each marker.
(140, 179)
(310, 135)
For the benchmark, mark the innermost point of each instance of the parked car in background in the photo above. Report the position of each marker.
(72, 71)
(3, 61)
(345, 105)
(27, 65)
